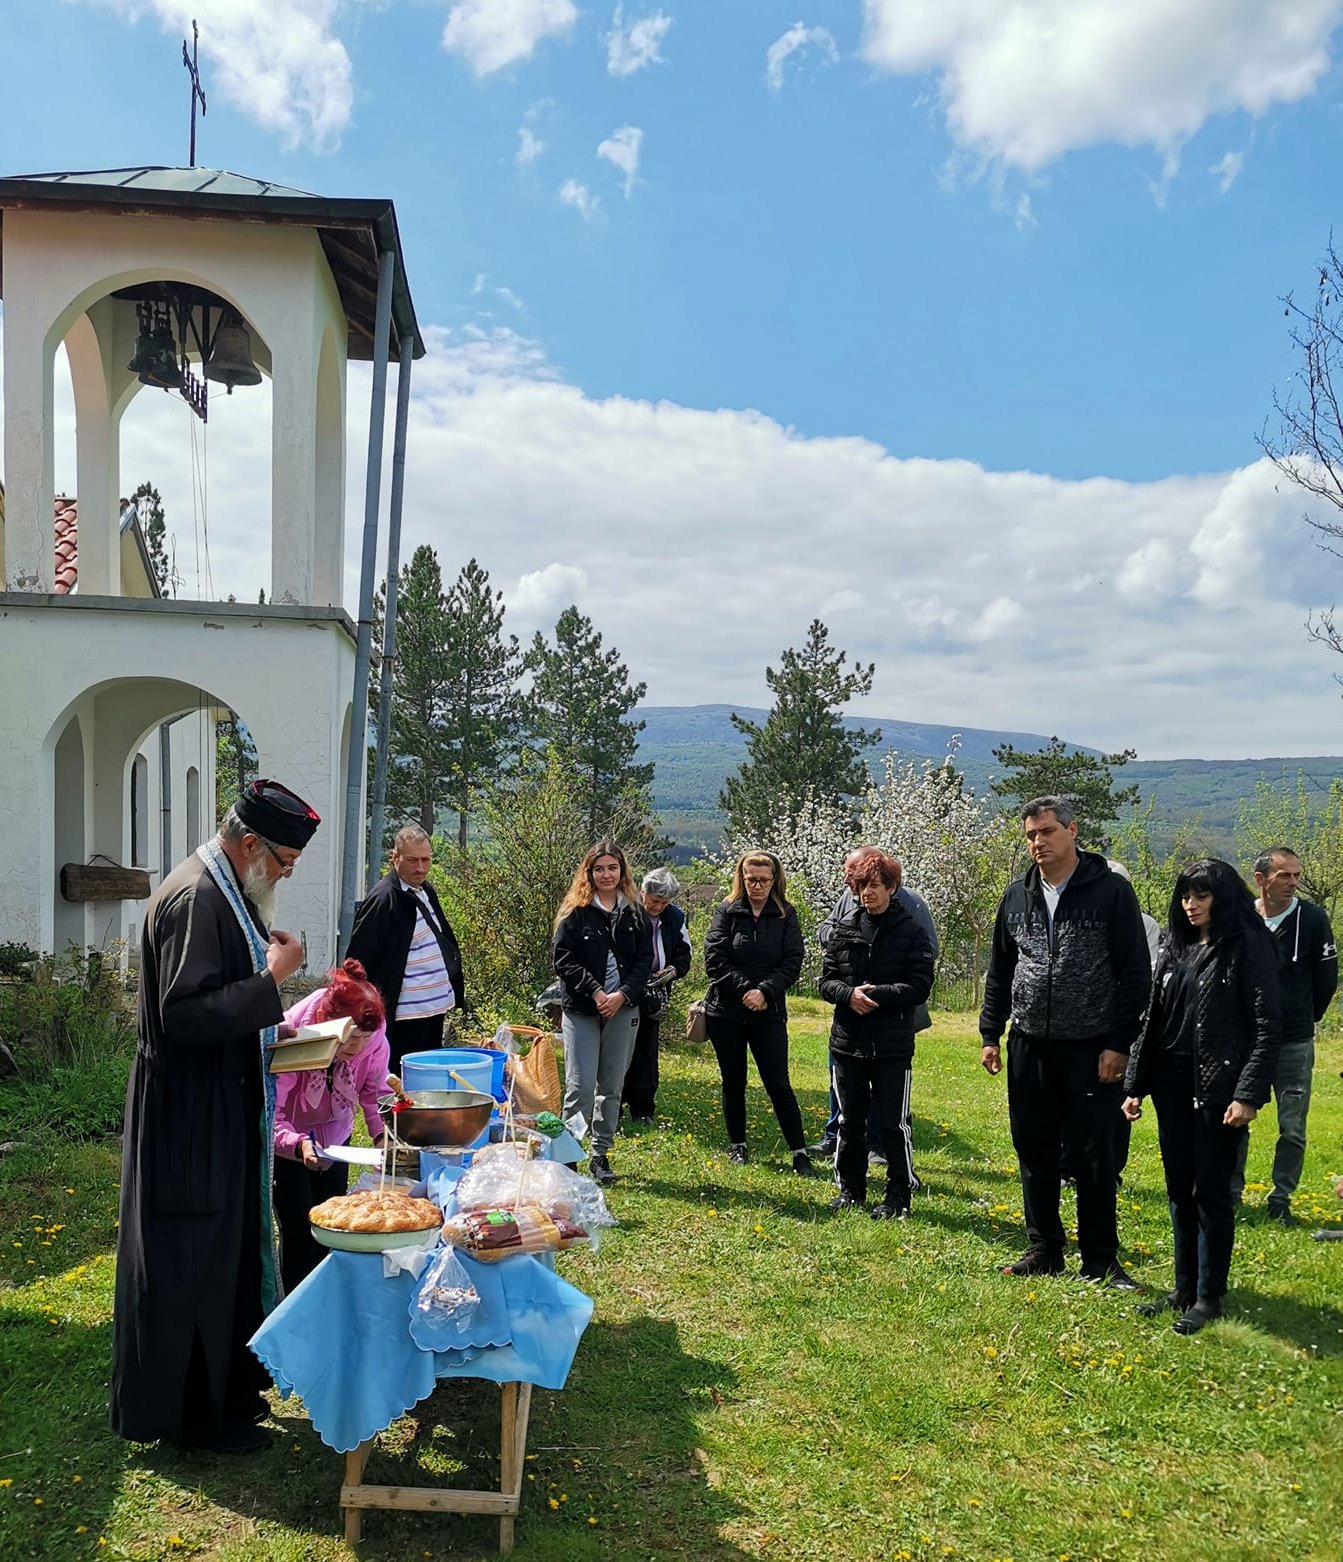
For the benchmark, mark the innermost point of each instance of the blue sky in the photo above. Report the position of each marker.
(838, 312)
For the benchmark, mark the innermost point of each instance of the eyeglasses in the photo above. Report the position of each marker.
(285, 867)
(759, 883)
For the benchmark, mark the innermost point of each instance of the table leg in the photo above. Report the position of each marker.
(514, 1412)
(355, 1461)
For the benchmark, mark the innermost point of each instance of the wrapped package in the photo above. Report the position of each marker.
(504, 1181)
(490, 1234)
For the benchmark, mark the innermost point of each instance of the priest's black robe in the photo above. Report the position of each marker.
(190, 1269)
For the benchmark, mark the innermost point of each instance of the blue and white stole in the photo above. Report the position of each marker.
(221, 871)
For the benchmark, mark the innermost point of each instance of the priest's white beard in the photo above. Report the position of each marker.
(259, 888)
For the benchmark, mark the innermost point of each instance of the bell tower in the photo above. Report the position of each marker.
(194, 282)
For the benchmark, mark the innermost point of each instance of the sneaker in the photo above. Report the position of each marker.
(1281, 1214)
(823, 1146)
(802, 1164)
(1329, 1234)
(1036, 1261)
(643, 1120)
(844, 1201)
(1197, 1317)
(876, 1157)
(599, 1169)
(1179, 1301)
(885, 1211)
(737, 1155)
(1114, 1277)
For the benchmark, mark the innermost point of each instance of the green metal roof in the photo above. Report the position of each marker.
(353, 232)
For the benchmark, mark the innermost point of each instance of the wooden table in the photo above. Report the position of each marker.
(515, 1402)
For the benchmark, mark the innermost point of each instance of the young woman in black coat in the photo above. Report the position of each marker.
(1206, 1056)
(752, 956)
(878, 969)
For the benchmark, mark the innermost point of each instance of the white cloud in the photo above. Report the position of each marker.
(530, 146)
(478, 286)
(577, 195)
(1166, 614)
(629, 49)
(279, 62)
(1226, 170)
(542, 595)
(509, 297)
(797, 37)
(492, 34)
(1023, 84)
(622, 148)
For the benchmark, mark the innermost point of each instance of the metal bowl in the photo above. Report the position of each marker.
(448, 1118)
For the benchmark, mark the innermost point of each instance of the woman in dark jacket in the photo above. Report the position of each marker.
(1206, 1056)
(671, 961)
(603, 954)
(752, 956)
(878, 969)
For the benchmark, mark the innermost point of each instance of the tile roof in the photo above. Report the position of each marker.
(67, 546)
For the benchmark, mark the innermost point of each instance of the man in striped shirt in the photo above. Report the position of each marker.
(408, 948)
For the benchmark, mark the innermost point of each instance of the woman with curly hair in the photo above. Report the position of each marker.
(752, 955)
(603, 954)
(315, 1108)
(1206, 1055)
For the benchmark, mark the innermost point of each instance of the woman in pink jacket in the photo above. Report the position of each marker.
(315, 1108)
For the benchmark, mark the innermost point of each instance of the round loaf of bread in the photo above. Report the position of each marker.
(373, 1211)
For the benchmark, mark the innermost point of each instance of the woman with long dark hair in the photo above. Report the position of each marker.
(752, 955)
(603, 954)
(1206, 1057)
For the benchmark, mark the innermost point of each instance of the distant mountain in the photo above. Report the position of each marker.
(694, 748)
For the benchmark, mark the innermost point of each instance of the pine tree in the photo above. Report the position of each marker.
(153, 524)
(1084, 780)
(420, 757)
(579, 698)
(803, 754)
(481, 674)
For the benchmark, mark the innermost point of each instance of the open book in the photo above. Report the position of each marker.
(312, 1046)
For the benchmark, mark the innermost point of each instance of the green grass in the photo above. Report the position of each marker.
(760, 1378)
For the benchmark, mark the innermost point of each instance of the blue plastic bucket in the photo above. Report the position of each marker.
(430, 1070)
(496, 1059)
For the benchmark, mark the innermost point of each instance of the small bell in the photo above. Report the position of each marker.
(154, 361)
(230, 362)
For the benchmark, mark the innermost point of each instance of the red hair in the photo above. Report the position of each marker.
(876, 865)
(350, 995)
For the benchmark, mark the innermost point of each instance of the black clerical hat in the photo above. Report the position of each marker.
(276, 813)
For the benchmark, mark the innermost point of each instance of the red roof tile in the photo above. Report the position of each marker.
(67, 546)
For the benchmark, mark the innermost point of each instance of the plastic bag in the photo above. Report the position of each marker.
(508, 1181)
(491, 1234)
(446, 1298)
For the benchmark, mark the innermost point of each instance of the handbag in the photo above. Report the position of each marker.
(697, 1022)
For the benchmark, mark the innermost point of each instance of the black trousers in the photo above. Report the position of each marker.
(1060, 1111)
(1199, 1155)
(297, 1190)
(859, 1082)
(767, 1041)
(405, 1036)
(641, 1077)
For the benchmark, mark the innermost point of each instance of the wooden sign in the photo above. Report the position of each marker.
(103, 881)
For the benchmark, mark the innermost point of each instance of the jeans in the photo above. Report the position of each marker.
(1198, 1154)
(596, 1057)
(882, 1083)
(1060, 1111)
(1291, 1094)
(767, 1041)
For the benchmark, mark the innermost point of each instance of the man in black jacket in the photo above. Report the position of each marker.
(408, 948)
(1070, 970)
(1307, 980)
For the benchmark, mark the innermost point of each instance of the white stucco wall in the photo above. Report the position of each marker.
(121, 667)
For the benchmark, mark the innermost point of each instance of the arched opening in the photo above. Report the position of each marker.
(193, 810)
(68, 835)
(140, 812)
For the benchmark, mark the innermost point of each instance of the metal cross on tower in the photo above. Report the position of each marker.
(197, 91)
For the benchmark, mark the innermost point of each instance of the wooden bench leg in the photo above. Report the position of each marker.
(355, 1461)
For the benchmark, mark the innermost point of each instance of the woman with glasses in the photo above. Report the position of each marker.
(603, 954)
(1206, 1056)
(752, 956)
(315, 1108)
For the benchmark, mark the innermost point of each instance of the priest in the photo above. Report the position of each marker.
(195, 1258)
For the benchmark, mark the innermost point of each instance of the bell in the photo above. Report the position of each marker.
(154, 361)
(230, 362)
